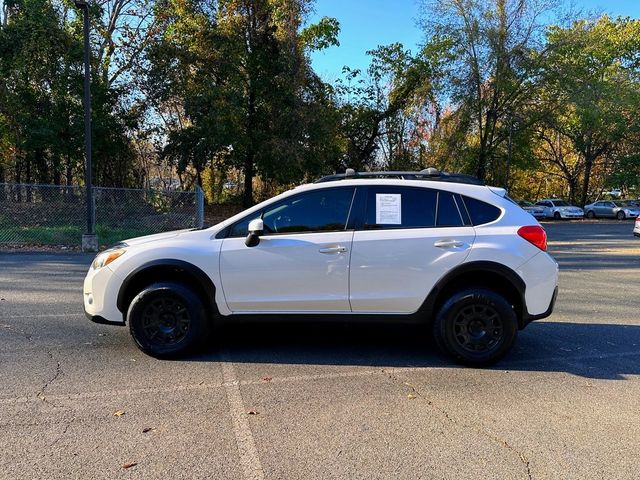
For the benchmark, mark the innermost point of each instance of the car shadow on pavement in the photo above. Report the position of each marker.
(604, 351)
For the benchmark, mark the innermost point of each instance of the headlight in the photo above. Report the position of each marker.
(105, 258)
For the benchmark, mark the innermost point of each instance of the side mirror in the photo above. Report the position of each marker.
(256, 228)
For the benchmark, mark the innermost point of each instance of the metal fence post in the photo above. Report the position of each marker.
(199, 207)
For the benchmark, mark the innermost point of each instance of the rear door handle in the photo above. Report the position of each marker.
(448, 243)
(331, 250)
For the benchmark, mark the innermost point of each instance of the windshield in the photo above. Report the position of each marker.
(621, 204)
(561, 203)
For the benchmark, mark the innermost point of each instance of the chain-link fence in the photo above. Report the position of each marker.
(57, 214)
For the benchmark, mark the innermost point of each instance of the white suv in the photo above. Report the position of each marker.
(417, 246)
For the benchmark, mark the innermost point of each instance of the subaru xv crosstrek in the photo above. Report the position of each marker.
(425, 246)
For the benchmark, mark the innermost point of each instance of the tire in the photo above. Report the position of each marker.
(591, 214)
(167, 320)
(460, 327)
(620, 215)
(557, 216)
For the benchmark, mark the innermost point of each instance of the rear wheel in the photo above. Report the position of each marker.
(167, 319)
(476, 327)
(620, 215)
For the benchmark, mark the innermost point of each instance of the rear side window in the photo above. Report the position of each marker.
(397, 207)
(448, 212)
(481, 212)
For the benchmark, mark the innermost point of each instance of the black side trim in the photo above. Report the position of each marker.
(530, 318)
(102, 320)
(203, 278)
(428, 306)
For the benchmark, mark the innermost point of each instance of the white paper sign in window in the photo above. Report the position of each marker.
(388, 208)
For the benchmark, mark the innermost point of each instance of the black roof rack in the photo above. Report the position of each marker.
(431, 173)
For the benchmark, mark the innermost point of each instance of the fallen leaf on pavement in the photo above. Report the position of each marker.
(129, 465)
(118, 413)
(267, 379)
(411, 396)
(147, 429)
(252, 412)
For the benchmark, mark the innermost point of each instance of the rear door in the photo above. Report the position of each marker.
(408, 238)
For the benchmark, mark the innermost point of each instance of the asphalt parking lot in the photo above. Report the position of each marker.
(78, 400)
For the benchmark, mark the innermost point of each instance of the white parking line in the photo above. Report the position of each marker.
(249, 459)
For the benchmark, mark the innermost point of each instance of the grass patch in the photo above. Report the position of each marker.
(66, 234)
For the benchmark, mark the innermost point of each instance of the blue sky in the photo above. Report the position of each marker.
(366, 24)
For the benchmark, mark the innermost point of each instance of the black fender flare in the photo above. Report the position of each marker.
(429, 304)
(203, 279)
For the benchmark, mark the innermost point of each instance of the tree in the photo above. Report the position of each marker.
(493, 50)
(237, 84)
(592, 73)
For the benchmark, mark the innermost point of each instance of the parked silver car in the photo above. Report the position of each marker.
(536, 210)
(636, 227)
(610, 208)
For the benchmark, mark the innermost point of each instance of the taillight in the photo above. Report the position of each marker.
(535, 235)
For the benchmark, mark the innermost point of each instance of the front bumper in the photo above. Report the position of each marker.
(100, 292)
(102, 320)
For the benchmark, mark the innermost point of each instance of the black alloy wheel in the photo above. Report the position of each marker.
(478, 328)
(167, 320)
(591, 214)
(475, 326)
(620, 215)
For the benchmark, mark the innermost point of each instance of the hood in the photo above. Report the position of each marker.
(152, 238)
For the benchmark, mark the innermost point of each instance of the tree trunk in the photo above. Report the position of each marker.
(481, 171)
(247, 198)
(588, 164)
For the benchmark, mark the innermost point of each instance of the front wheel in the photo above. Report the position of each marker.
(591, 214)
(557, 216)
(167, 320)
(620, 215)
(476, 327)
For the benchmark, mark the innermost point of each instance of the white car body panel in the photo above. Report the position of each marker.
(540, 283)
(394, 275)
(306, 272)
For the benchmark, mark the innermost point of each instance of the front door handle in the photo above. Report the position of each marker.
(331, 250)
(448, 243)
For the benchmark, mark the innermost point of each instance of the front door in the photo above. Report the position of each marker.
(302, 261)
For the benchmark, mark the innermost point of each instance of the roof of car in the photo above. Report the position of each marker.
(429, 174)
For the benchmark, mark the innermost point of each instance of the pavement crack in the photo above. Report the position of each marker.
(479, 430)
(41, 394)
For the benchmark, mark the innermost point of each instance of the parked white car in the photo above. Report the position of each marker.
(557, 209)
(636, 228)
(403, 246)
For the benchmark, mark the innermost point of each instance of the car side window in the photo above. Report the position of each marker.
(400, 207)
(317, 211)
(481, 212)
(448, 211)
